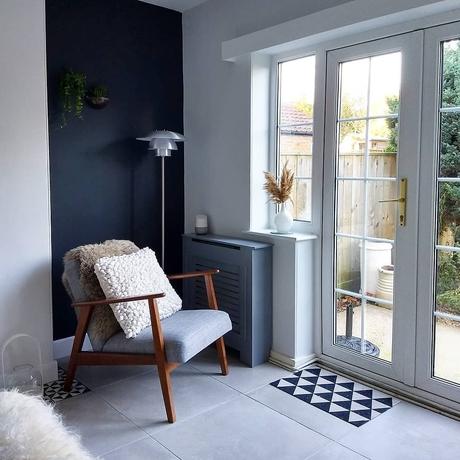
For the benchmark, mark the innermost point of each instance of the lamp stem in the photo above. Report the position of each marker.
(163, 212)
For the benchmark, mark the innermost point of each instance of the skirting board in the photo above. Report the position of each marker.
(292, 364)
(63, 347)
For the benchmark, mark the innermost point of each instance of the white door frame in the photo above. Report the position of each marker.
(427, 212)
(403, 366)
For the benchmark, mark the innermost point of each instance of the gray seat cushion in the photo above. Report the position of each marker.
(186, 333)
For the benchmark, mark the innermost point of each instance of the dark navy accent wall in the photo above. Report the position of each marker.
(104, 183)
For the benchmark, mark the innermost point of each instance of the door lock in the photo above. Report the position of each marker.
(402, 200)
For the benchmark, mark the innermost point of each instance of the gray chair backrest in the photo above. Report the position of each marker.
(103, 324)
(82, 284)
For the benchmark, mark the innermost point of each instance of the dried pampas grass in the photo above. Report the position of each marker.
(279, 193)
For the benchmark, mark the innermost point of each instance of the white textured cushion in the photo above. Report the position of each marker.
(131, 275)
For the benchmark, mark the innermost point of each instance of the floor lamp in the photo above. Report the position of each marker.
(162, 142)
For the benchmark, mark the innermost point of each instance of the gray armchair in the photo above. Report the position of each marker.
(166, 344)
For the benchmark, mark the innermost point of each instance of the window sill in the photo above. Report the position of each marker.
(292, 236)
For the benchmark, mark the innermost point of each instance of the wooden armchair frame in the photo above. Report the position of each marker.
(158, 356)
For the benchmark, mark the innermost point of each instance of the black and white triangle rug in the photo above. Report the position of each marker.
(339, 396)
(54, 391)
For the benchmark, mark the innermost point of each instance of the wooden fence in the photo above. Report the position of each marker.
(381, 217)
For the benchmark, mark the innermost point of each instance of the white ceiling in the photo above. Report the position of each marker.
(178, 5)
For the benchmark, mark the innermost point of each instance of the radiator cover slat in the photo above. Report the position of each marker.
(243, 289)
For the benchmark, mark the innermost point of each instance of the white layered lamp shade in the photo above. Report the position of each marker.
(162, 142)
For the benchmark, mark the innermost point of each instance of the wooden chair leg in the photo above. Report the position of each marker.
(166, 388)
(164, 368)
(82, 326)
(222, 355)
(212, 302)
(70, 373)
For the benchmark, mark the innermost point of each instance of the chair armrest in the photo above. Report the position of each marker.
(95, 303)
(182, 276)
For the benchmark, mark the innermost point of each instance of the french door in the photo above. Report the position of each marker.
(438, 325)
(370, 220)
(391, 221)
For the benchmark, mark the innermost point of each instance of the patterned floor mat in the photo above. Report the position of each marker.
(339, 396)
(54, 391)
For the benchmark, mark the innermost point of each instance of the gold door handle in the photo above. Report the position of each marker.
(402, 200)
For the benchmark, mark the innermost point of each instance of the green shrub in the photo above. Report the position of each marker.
(449, 302)
(448, 272)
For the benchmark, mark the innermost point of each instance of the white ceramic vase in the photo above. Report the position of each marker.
(283, 220)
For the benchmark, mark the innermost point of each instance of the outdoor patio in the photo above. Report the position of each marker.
(379, 331)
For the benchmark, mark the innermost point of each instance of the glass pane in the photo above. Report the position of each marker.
(449, 214)
(447, 338)
(348, 264)
(447, 288)
(449, 163)
(296, 152)
(354, 81)
(377, 327)
(301, 203)
(385, 84)
(378, 276)
(379, 330)
(450, 76)
(352, 147)
(350, 212)
(348, 322)
(296, 101)
(297, 90)
(381, 217)
(448, 282)
(383, 147)
(367, 151)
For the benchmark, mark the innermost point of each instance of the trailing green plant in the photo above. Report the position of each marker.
(72, 88)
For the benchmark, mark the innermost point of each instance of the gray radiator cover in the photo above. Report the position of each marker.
(243, 289)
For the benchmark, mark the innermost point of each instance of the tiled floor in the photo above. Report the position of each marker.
(239, 417)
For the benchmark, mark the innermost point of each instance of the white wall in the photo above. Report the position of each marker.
(219, 108)
(25, 249)
(217, 102)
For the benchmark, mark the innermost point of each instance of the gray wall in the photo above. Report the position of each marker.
(25, 281)
(217, 106)
(104, 183)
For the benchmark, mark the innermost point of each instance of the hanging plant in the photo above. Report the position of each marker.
(72, 88)
(97, 97)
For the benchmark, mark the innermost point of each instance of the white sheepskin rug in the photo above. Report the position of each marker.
(31, 430)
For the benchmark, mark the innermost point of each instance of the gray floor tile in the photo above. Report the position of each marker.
(407, 432)
(241, 377)
(241, 429)
(335, 451)
(101, 427)
(97, 376)
(141, 400)
(301, 412)
(141, 450)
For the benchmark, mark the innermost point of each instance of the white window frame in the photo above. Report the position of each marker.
(314, 225)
